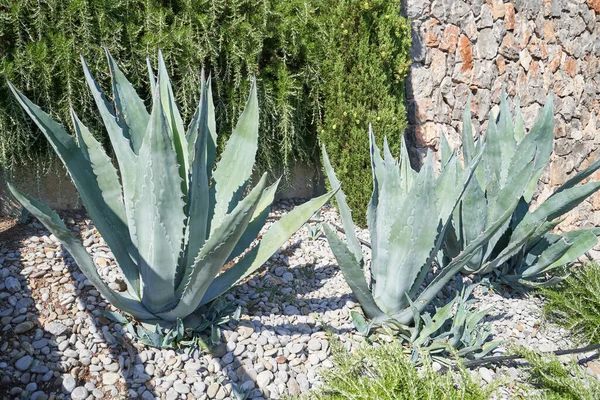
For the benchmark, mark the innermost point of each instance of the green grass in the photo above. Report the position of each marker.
(386, 372)
(575, 303)
(552, 380)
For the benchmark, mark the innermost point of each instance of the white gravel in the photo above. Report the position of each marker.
(55, 344)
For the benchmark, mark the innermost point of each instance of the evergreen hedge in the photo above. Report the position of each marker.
(325, 68)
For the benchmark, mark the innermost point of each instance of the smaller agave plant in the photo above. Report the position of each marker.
(171, 218)
(525, 250)
(408, 216)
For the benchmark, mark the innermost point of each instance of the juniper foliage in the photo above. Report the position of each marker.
(318, 64)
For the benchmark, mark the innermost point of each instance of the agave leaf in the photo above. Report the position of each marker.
(112, 228)
(211, 142)
(237, 160)
(276, 236)
(214, 253)
(362, 326)
(446, 152)
(378, 179)
(506, 137)
(355, 276)
(126, 158)
(407, 174)
(468, 143)
(52, 221)
(542, 134)
(151, 77)
(474, 218)
(492, 159)
(559, 204)
(345, 212)
(390, 197)
(131, 111)
(159, 216)
(174, 121)
(411, 240)
(579, 177)
(447, 186)
(198, 199)
(114, 316)
(439, 318)
(519, 125)
(257, 221)
(562, 253)
(106, 174)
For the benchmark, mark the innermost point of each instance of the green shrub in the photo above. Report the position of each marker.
(575, 303)
(297, 49)
(367, 61)
(41, 41)
(386, 372)
(554, 381)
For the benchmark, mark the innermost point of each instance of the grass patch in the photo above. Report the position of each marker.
(386, 372)
(554, 381)
(575, 303)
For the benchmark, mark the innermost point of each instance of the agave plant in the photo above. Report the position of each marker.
(524, 249)
(171, 220)
(408, 216)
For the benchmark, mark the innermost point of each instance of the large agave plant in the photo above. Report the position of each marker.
(408, 216)
(524, 249)
(171, 220)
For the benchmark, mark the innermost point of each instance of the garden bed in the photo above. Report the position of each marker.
(54, 343)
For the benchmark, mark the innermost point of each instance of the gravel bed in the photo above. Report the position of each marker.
(54, 344)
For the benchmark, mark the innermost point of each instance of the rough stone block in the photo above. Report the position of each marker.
(465, 53)
(438, 66)
(549, 34)
(450, 38)
(487, 45)
(420, 82)
(509, 18)
(498, 9)
(432, 33)
(509, 48)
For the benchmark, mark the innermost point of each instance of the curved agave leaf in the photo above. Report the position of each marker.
(257, 222)
(565, 251)
(112, 228)
(126, 158)
(355, 276)
(345, 213)
(235, 167)
(175, 123)
(131, 111)
(55, 225)
(198, 199)
(272, 240)
(579, 177)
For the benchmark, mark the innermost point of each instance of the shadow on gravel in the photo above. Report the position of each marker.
(51, 332)
(21, 335)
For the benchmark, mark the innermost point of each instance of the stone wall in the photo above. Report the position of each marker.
(533, 47)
